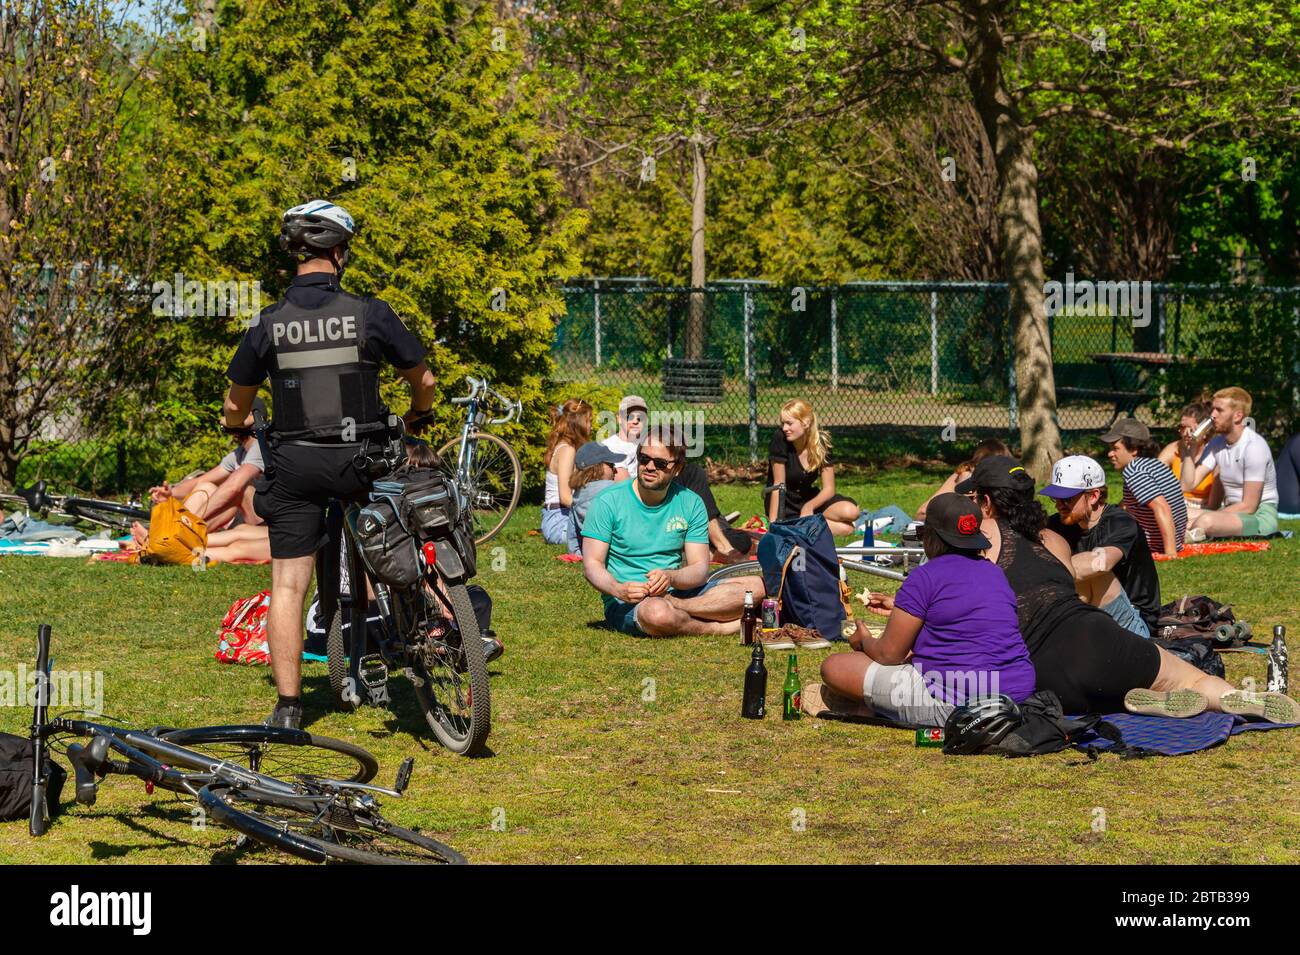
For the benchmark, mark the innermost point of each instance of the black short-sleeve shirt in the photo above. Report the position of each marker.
(387, 338)
(801, 486)
(1136, 570)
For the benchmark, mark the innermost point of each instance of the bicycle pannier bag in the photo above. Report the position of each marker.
(432, 505)
(387, 545)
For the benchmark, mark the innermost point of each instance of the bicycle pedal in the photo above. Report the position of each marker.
(372, 671)
(404, 774)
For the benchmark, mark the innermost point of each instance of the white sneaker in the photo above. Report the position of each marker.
(1196, 535)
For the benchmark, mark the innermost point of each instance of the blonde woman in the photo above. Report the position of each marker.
(799, 457)
(570, 430)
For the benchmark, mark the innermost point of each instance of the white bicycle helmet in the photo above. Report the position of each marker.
(315, 227)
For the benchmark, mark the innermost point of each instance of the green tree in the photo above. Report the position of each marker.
(644, 79)
(90, 190)
(420, 119)
(1161, 73)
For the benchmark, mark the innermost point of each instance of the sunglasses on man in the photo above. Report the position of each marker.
(661, 464)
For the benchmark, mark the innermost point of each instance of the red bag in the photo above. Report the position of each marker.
(242, 636)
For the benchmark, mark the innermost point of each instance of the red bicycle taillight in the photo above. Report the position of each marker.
(430, 554)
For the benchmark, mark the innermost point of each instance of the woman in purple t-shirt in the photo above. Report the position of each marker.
(952, 634)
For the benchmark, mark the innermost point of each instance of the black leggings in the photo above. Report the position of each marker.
(1090, 662)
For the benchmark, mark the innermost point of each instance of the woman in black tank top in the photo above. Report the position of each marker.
(1079, 652)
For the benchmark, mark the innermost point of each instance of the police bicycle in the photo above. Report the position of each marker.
(483, 465)
(271, 784)
(426, 629)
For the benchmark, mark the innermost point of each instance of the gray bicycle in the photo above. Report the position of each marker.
(267, 783)
(483, 465)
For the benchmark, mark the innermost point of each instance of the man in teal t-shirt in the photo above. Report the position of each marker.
(646, 549)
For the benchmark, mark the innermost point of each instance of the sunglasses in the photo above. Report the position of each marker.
(662, 464)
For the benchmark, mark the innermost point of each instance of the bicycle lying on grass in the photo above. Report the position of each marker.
(269, 784)
(111, 514)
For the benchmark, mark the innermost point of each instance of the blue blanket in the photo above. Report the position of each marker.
(1171, 737)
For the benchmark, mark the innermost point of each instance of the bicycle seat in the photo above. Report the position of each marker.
(35, 496)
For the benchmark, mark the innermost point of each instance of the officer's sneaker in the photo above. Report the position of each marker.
(286, 716)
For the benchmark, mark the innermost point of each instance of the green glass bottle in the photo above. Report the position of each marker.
(790, 692)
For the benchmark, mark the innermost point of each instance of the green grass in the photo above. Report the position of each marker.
(588, 770)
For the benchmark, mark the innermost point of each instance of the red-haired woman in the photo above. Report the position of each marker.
(570, 430)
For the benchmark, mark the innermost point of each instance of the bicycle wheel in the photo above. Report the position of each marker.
(322, 828)
(449, 671)
(342, 650)
(493, 483)
(277, 752)
(109, 513)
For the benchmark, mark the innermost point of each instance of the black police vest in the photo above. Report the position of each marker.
(323, 381)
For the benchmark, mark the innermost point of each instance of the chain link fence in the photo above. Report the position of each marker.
(909, 367)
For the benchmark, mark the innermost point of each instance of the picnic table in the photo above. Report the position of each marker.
(1134, 379)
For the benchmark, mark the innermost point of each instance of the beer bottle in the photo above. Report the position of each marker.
(748, 618)
(790, 692)
(754, 705)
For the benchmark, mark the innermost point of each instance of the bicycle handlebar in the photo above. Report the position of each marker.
(479, 388)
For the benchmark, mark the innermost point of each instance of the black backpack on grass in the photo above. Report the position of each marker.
(1043, 728)
(16, 758)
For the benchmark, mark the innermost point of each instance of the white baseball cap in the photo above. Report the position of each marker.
(1074, 474)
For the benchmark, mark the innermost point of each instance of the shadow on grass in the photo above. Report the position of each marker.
(403, 715)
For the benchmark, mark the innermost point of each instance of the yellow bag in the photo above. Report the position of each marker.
(176, 535)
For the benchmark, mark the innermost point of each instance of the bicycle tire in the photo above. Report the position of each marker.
(340, 658)
(488, 521)
(306, 833)
(291, 753)
(108, 513)
(447, 726)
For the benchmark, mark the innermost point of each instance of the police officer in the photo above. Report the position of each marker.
(322, 349)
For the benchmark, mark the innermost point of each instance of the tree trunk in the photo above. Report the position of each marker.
(1021, 238)
(696, 321)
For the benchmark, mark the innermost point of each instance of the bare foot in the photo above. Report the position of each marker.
(139, 533)
(818, 699)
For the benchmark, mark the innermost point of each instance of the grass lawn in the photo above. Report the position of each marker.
(613, 749)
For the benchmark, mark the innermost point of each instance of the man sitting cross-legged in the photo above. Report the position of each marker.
(646, 549)
(1243, 499)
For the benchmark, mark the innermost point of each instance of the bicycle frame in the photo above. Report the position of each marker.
(476, 420)
(155, 760)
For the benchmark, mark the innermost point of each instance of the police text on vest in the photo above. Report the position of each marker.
(333, 329)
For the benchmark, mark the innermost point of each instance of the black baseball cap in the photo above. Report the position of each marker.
(956, 519)
(997, 470)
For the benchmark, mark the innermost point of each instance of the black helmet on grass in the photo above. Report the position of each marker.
(979, 724)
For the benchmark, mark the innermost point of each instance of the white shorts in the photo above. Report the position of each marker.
(900, 694)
